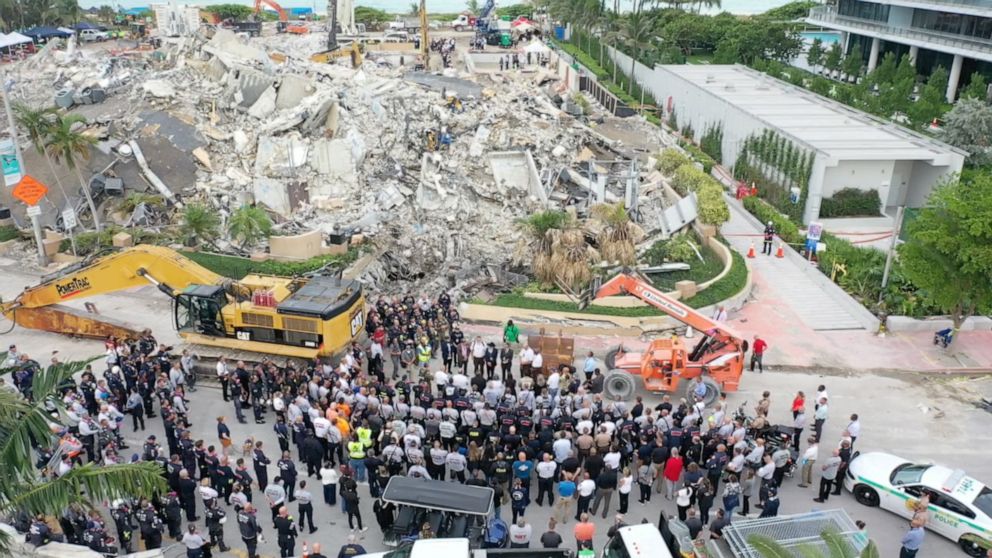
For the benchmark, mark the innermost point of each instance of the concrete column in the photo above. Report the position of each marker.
(844, 37)
(914, 52)
(955, 77)
(876, 44)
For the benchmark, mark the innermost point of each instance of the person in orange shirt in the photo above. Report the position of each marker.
(344, 427)
(584, 531)
(798, 404)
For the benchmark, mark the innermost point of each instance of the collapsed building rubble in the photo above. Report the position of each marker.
(434, 186)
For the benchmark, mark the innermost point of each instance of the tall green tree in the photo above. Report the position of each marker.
(948, 255)
(24, 423)
(37, 123)
(67, 145)
(969, 126)
(834, 57)
(68, 11)
(638, 32)
(816, 54)
(930, 104)
(248, 225)
(852, 66)
(472, 6)
(200, 223)
(977, 88)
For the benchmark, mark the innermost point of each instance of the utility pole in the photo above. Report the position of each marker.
(35, 221)
(892, 250)
(332, 33)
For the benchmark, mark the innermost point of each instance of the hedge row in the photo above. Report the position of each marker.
(699, 155)
(236, 267)
(851, 202)
(713, 208)
(8, 232)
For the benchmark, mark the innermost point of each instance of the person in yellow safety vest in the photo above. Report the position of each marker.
(364, 434)
(356, 455)
(424, 352)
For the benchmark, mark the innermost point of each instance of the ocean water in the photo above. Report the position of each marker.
(403, 6)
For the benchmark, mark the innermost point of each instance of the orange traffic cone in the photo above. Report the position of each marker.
(780, 253)
(750, 251)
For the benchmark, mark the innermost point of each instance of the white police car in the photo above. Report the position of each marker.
(960, 506)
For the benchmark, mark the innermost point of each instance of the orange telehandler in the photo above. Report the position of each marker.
(718, 357)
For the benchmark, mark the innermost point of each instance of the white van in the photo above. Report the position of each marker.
(636, 541)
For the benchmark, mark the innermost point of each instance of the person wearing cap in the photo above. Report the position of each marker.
(769, 236)
(771, 504)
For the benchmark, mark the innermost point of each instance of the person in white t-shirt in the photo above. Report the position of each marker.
(537, 365)
(546, 480)
(520, 533)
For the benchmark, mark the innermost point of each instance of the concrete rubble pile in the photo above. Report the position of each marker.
(342, 150)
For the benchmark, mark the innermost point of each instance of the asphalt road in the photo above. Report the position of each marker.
(899, 415)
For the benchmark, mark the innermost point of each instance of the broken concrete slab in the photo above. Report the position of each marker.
(292, 90)
(463, 87)
(273, 194)
(281, 156)
(241, 141)
(202, 157)
(159, 88)
(265, 105)
(515, 170)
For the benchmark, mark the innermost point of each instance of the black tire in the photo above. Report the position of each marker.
(971, 547)
(866, 495)
(712, 391)
(619, 385)
(611, 357)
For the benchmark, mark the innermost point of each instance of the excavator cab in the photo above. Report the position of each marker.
(198, 310)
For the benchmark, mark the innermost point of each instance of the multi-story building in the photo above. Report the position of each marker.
(955, 34)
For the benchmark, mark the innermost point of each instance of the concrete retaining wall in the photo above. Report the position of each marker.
(905, 323)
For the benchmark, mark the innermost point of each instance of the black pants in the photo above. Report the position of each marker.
(477, 364)
(624, 501)
(756, 358)
(313, 467)
(252, 545)
(645, 492)
(582, 507)
(841, 471)
(331, 494)
(153, 540)
(224, 388)
(190, 507)
(286, 545)
(545, 486)
(306, 515)
(746, 506)
(825, 485)
(262, 475)
(354, 513)
(766, 247)
(907, 553)
(217, 538)
(517, 512)
(818, 428)
(137, 417)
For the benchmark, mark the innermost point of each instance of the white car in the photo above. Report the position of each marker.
(91, 35)
(960, 506)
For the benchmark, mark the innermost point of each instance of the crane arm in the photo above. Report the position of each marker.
(628, 284)
(283, 16)
(133, 267)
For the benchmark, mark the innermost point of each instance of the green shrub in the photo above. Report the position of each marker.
(8, 232)
(764, 211)
(675, 249)
(713, 208)
(91, 242)
(698, 154)
(712, 142)
(237, 267)
(688, 178)
(851, 202)
(671, 159)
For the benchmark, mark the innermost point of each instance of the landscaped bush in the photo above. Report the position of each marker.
(671, 159)
(712, 142)
(698, 155)
(688, 178)
(851, 202)
(787, 230)
(8, 232)
(713, 208)
(91, 242)
(728, 285)
(236, 267)
(676, 249)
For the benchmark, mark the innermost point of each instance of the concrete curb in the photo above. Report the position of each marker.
(838, 371)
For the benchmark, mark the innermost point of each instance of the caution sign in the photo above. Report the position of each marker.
(29, 191)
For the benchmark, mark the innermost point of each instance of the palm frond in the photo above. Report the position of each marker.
(837, 544)
(870, 551)
(89, 483)
(768, 547)
(809, 551)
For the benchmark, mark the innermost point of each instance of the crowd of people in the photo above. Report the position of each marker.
(423, 400)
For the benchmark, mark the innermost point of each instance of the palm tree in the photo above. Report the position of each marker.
(620, 235)
(68, 11)
(200, 223)
(571, 257)
(24, 424)
(541, 228)
(249, 224)
(837, 547)
(638, 30)
(414, 9)
(106, 14)
(65, 144)
(37, 123)
(472, 6)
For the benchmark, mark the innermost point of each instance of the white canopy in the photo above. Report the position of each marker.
(537, 47)
(11, 39)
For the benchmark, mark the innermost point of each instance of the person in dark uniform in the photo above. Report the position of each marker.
(250, 531)
(213, 516)
(287, 533)
(124, 521)
(151, 527)
(769, 236)
(287, 470)
(187, 495)
(173, 515)
(261, 463)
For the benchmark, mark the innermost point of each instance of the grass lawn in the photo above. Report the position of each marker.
(700, 272)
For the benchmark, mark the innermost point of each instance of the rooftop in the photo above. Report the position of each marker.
(829, 127)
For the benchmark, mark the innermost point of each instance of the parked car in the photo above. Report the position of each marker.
(92, 35)
(960, 506)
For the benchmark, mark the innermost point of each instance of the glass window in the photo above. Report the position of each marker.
(907, 473)
(951, 505)
(401, 552)
(984, 501)
(616, 548)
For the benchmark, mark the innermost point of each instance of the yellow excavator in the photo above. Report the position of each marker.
(292, 317)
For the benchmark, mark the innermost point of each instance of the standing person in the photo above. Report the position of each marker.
(645, 479)
(606, 485)
(566, 497)
(584, 532)
(828, 473)
(683, 501)
(261, 464)
(820, 416)
(731, 495)
(546, 470)
(224, 376)
(250, 531)
(511, 333)
(589, 366)
(305, 501)
(518, 499)
(212, 517)
(807, 461)
(758, 349)
(770, 508)
(769, 237)
(798, 403)
(673, 470)
(224, 434)
(798, 425)
(585, 490)
(505, 361)
(329, 476)
(551, 538)
(351, 501)
(287, 533)
(194, 542)
(704, 498)
(356, 455)
(520, 533)
(845, 460)
(853, 429)
(912, 540)
(625, 486)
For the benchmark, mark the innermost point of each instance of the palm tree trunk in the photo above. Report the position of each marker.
(89, 199)
(58, 181)
(633, 68)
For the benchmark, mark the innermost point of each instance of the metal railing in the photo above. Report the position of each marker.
(828, 14)
(793, 531)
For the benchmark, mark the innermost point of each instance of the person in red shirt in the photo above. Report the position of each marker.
(798, 404)
(757, 352)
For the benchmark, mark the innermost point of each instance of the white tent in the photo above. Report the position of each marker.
(537, 47)
(11, 39)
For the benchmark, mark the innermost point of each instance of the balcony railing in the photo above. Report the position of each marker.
(828, 14)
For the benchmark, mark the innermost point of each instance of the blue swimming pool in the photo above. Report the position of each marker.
(826, 37)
